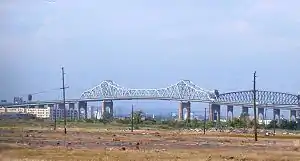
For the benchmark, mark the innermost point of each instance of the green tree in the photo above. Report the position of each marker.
(238, 122)
(194, 123)
(106, 118)
(208, 124)
(292, 125)
(271, 124)
(288, 125)
(137, 117)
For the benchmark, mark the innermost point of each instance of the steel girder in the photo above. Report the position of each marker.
(184, 90)
(263, 98)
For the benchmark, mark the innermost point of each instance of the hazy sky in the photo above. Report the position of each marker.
(148, 44)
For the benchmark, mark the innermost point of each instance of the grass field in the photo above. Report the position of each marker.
(110, 143)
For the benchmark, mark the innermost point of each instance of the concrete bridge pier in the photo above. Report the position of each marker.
(261, 113)
(107, 108)
(245, 110)
(61, 106)
(59, 110)
(187, 106)
(293, 114)
(82, 105)
(229, 109)
(214, 112)
(276, 112)
(72, 110)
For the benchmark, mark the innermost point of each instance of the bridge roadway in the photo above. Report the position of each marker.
(53, 102)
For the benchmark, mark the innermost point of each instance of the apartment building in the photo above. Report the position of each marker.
(15, 110)
(2, 110)
(38, 112)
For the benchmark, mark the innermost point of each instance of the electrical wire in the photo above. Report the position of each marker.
(41, 92)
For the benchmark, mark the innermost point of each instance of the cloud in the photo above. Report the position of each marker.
(236, 27)
(136, 21)
(275, 8)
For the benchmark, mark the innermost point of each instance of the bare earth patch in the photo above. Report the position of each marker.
(111, 145)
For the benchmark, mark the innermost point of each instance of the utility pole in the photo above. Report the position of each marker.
(274, 122)
(204, 129)
(131, 118)
(254, 105)
(64, 99)
(55, 113)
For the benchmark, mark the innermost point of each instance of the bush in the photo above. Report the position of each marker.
(149, 122)
(136, 127)
(123, 121)
(164, 127)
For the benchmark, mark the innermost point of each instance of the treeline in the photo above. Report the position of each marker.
(139, 120)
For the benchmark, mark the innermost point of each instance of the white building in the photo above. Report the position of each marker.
(37, 111)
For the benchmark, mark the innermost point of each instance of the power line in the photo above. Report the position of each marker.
(47, 91)
(41, 92)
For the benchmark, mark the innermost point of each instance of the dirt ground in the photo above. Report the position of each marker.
(110, 145)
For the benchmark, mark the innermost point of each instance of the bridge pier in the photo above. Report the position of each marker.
(187, 106)
(57, 111)
(261, 113)
(229, 109)
(53, 111)
(214, 112)
(82, 105)
(61, 106)
(293, 114)
(72, 110)
(107, 104)
(245, 110)
(276, 112)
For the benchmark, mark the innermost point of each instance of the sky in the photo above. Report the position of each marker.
(147, 44)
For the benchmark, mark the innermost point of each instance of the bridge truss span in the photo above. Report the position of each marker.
(184, 90)
(263, 98)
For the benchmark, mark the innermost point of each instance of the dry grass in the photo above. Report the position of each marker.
(32, 143)
(150, 155)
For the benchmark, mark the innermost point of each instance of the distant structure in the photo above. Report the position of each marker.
(184, 92)
(18, 100)
(191, 115)
(29, 98)
(37, 112)
(59, 114)
(95, 113)
(13, 115)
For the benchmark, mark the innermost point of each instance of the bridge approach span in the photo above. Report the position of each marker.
(267, 98)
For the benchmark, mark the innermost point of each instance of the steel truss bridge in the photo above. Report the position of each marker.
(184, 90)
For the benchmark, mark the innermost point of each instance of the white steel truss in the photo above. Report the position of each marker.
(262, 98)
(184, 90)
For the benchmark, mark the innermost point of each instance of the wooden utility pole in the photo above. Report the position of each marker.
(204, 129)
(254, 106)
(64, 99)
(131, 118)
(55, 113)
